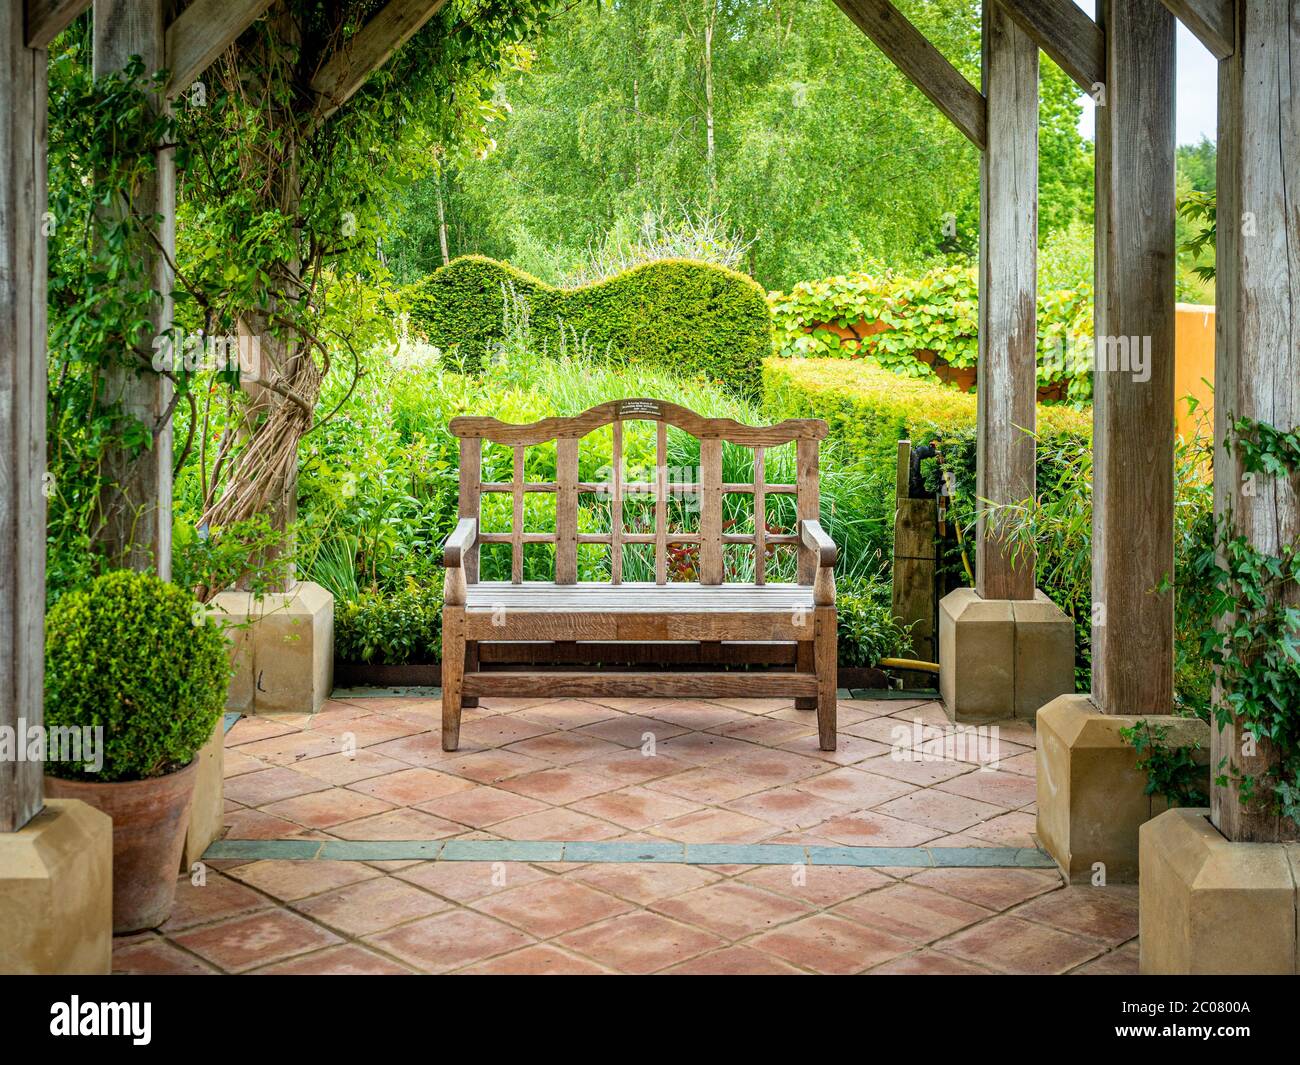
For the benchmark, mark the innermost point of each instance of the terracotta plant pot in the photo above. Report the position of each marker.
(149, 822)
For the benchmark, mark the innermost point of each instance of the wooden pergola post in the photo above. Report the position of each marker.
(1133, 381)
(138, 502)
(1257, 364)
(22, 405)
(1008, 288)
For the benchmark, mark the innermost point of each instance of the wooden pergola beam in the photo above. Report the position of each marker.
(202, 32)
(927, 68)
(46, 19)
(1133, 378)
(1061, 29)
(1211, 22)
(22, 406)
(367, 50)
(1008, 284)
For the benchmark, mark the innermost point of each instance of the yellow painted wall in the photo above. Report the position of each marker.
(1193, 365)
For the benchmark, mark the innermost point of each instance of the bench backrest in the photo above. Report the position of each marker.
(711, 433)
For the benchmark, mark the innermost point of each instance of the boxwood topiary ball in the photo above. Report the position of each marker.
(142, 659)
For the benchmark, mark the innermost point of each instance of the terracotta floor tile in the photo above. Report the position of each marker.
(490, 767)
(818, 885)
(919, 774)
(1025, 764)
(931, 713)
(565, 713)
(467, 881)
(351, 959)
(629, 730)
(1008, 790)
(754, 706)
(788, 807)
(705, 748)
(218, 897)
(928, 963)
(449, 940)
(769, 732)
(854, 787)
(251, 729)
(343, 769)
(292, 880)
(402, 823)
(875, 830)
(1015, 829)
(409, 787)
(848, 749)
(271, 785)
(555, 824)
(1109, 914)
(995, 889)
(774, 768)
(548, 908)
(559, 785)
(912, 912)
(323, 809)
(734, 961)
(635, 808)
(499, 731)
(422, 749)
(828, 944)
(939, 810)
(371, 906)
(708, 784)
(640, 942)
(157, 957)
(1120, 962)
(540, 960)
(293, 747)
(481, 805)
(644, 884)
(731, 909)
(697, 715)
(1016, 946)
(508, 704)
(632, 767)
(235, 763)
(564, 748)
(715, 826)
(257, 939)
(253, 824)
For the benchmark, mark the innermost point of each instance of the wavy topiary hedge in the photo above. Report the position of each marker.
(695, 318)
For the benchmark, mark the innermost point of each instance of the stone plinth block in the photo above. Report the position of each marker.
(1207, 905)
(56, 893)
(1002, 658)
(282, 648)
(1091, 795)
(208, 807)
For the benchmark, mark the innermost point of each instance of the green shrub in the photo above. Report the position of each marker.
(867, 629)
(869, 408)
(391, 629)
(696, 319)
(937, 311)
(143, 660)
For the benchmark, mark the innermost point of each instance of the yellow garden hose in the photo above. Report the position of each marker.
(909, 663)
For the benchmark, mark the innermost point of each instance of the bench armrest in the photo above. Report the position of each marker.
(814, 537)
(459, 542)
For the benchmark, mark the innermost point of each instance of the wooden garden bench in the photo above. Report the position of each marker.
(707, 610)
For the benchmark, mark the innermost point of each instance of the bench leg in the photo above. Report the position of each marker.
(827, 677)
(804, 663)
(471, 666)
(453, 674)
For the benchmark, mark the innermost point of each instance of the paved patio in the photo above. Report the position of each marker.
(673, 776)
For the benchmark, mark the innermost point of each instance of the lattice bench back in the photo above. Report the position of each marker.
(711, 433)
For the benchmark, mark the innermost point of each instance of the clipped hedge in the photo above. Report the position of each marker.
(870, 408)
(937, 311)
(698, 319)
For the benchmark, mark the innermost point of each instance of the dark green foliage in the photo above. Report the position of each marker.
(1173, 773)
(143, 660)
(867, 629)
(391, 629)
(696, 319)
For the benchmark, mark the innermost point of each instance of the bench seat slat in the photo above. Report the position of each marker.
(690, 685)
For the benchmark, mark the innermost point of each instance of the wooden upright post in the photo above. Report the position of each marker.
(1257, 365)
(22, 406)
(1008, 387)
(1133, 382)
(138, 502)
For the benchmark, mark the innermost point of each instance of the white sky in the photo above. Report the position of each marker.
(1197, 88)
